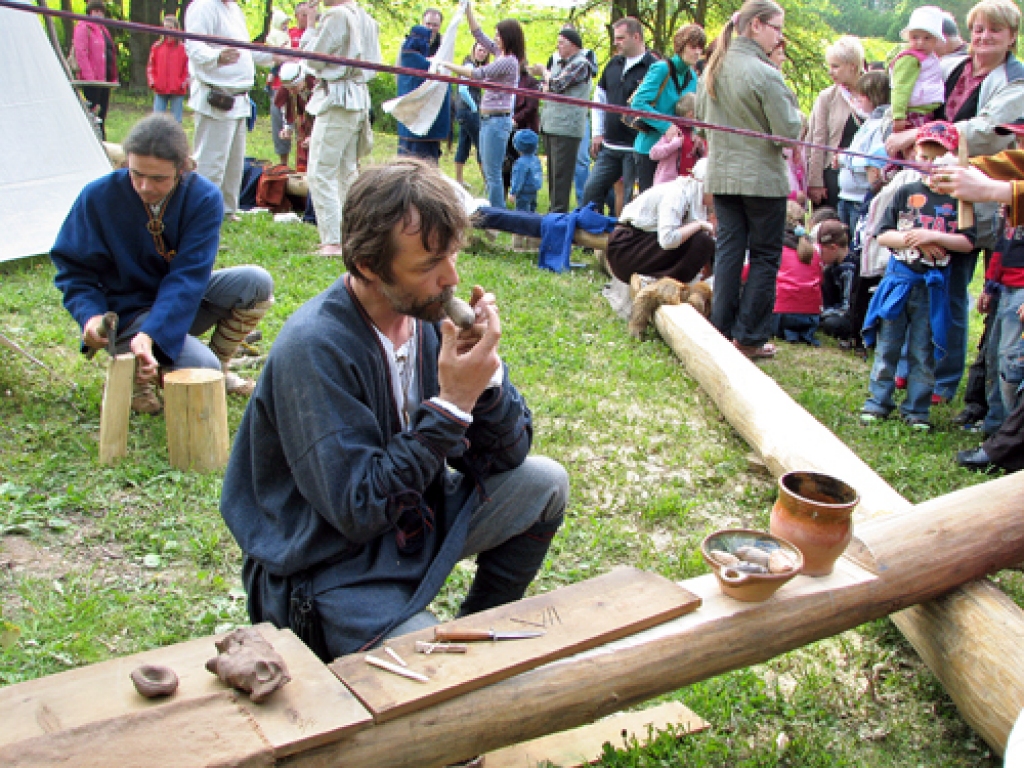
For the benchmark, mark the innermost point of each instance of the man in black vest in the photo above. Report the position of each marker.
(612, 142)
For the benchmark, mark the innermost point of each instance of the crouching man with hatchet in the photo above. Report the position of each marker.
(140, 244)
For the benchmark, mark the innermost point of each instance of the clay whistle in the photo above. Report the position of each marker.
(753, 555)
(459, 312)
(152, 680)
(724, 558)
(780, 562)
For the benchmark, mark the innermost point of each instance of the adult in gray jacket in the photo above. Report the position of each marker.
(743, 89)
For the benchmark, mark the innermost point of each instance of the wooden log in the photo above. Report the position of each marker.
(789, 438)
(116, 408)
(916, 556)
(196, 411)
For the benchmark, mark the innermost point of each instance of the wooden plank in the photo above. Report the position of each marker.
(210, 731)
(116, 408)
(583, 746)
(314, 708)
(575, 618)
(789, 438)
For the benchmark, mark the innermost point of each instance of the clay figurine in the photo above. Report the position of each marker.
(249, 663)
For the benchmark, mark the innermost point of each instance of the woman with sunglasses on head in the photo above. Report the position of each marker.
(748, 177)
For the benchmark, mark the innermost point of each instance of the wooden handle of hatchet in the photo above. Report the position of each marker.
(964, 210)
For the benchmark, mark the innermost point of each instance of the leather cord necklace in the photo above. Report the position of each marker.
(155, 225)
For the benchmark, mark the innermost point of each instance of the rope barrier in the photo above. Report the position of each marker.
(294, 53)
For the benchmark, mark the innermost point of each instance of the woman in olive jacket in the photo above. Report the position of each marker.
(747, 176)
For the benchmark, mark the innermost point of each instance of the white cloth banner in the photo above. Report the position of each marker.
(418, 109)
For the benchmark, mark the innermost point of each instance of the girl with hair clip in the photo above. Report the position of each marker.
(805, 254)
(748, 177)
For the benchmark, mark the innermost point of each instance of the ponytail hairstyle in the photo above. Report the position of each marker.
(762, 10)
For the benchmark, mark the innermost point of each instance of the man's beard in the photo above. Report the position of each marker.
(430, 309)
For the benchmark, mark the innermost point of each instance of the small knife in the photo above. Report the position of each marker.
(474, 635)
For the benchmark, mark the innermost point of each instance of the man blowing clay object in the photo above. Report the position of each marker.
(383, 444)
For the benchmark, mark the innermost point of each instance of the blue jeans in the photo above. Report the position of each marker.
(912, 326)
(162, 103)
(796, 328)
(494, 133)
(950, 369)
(232, 288)
(993, 392)
(582, 165)
(1011, 346)
(744, 312)
(849, 213)
(469, 135)
(526, 201)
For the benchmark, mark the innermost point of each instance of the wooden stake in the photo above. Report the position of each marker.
(197, 419)
(116, 408)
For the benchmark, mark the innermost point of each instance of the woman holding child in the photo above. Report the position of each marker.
(982, 92)
(748, 177)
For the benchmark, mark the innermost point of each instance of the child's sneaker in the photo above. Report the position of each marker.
(901, 382)
(871, 417)
(917, 424)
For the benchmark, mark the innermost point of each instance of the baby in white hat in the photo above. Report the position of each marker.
(917, 85)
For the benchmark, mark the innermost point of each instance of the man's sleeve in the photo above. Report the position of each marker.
(80, 260)
(501, 433)
(597, 115)
(197, 20)
(578, 72)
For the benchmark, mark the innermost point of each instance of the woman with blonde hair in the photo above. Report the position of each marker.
(983, 91)
(835, 118)
(747, 176)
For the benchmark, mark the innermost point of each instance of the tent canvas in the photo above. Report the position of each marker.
(51, 150)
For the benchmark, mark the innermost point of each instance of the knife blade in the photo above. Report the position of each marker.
(443, 634)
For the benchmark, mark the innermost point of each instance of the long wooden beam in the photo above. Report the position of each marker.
(972, 639)
(901, 560)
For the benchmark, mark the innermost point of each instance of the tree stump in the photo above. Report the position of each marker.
(196, 412)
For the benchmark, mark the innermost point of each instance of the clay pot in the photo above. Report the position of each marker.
(815, 512)
(740, 585)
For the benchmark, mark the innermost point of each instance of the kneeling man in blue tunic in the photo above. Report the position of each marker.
(382, 444)
(141, 242)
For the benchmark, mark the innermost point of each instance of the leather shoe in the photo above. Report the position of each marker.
(976, 459)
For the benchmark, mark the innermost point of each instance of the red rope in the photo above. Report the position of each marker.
(293, 53)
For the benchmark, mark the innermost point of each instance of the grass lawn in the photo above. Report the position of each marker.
(98, 562)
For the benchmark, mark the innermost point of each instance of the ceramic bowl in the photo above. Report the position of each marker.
(748, 587)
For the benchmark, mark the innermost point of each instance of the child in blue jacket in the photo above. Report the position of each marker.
(527, 174)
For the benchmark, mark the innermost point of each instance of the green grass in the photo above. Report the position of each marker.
(96, 562)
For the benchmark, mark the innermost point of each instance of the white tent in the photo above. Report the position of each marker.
(50, 149)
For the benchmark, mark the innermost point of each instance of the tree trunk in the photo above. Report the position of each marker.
(139, 43)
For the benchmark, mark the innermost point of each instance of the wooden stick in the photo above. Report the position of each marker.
(394, 669)
(116, 408)
(394, 655)
(964, 210)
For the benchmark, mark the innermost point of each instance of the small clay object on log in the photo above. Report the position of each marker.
(249, 663)
(152, 680)
(780, 562)
(753, 555)
(724, 558)
(460, 313)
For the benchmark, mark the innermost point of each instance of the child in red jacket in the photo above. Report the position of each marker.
(167, 72)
